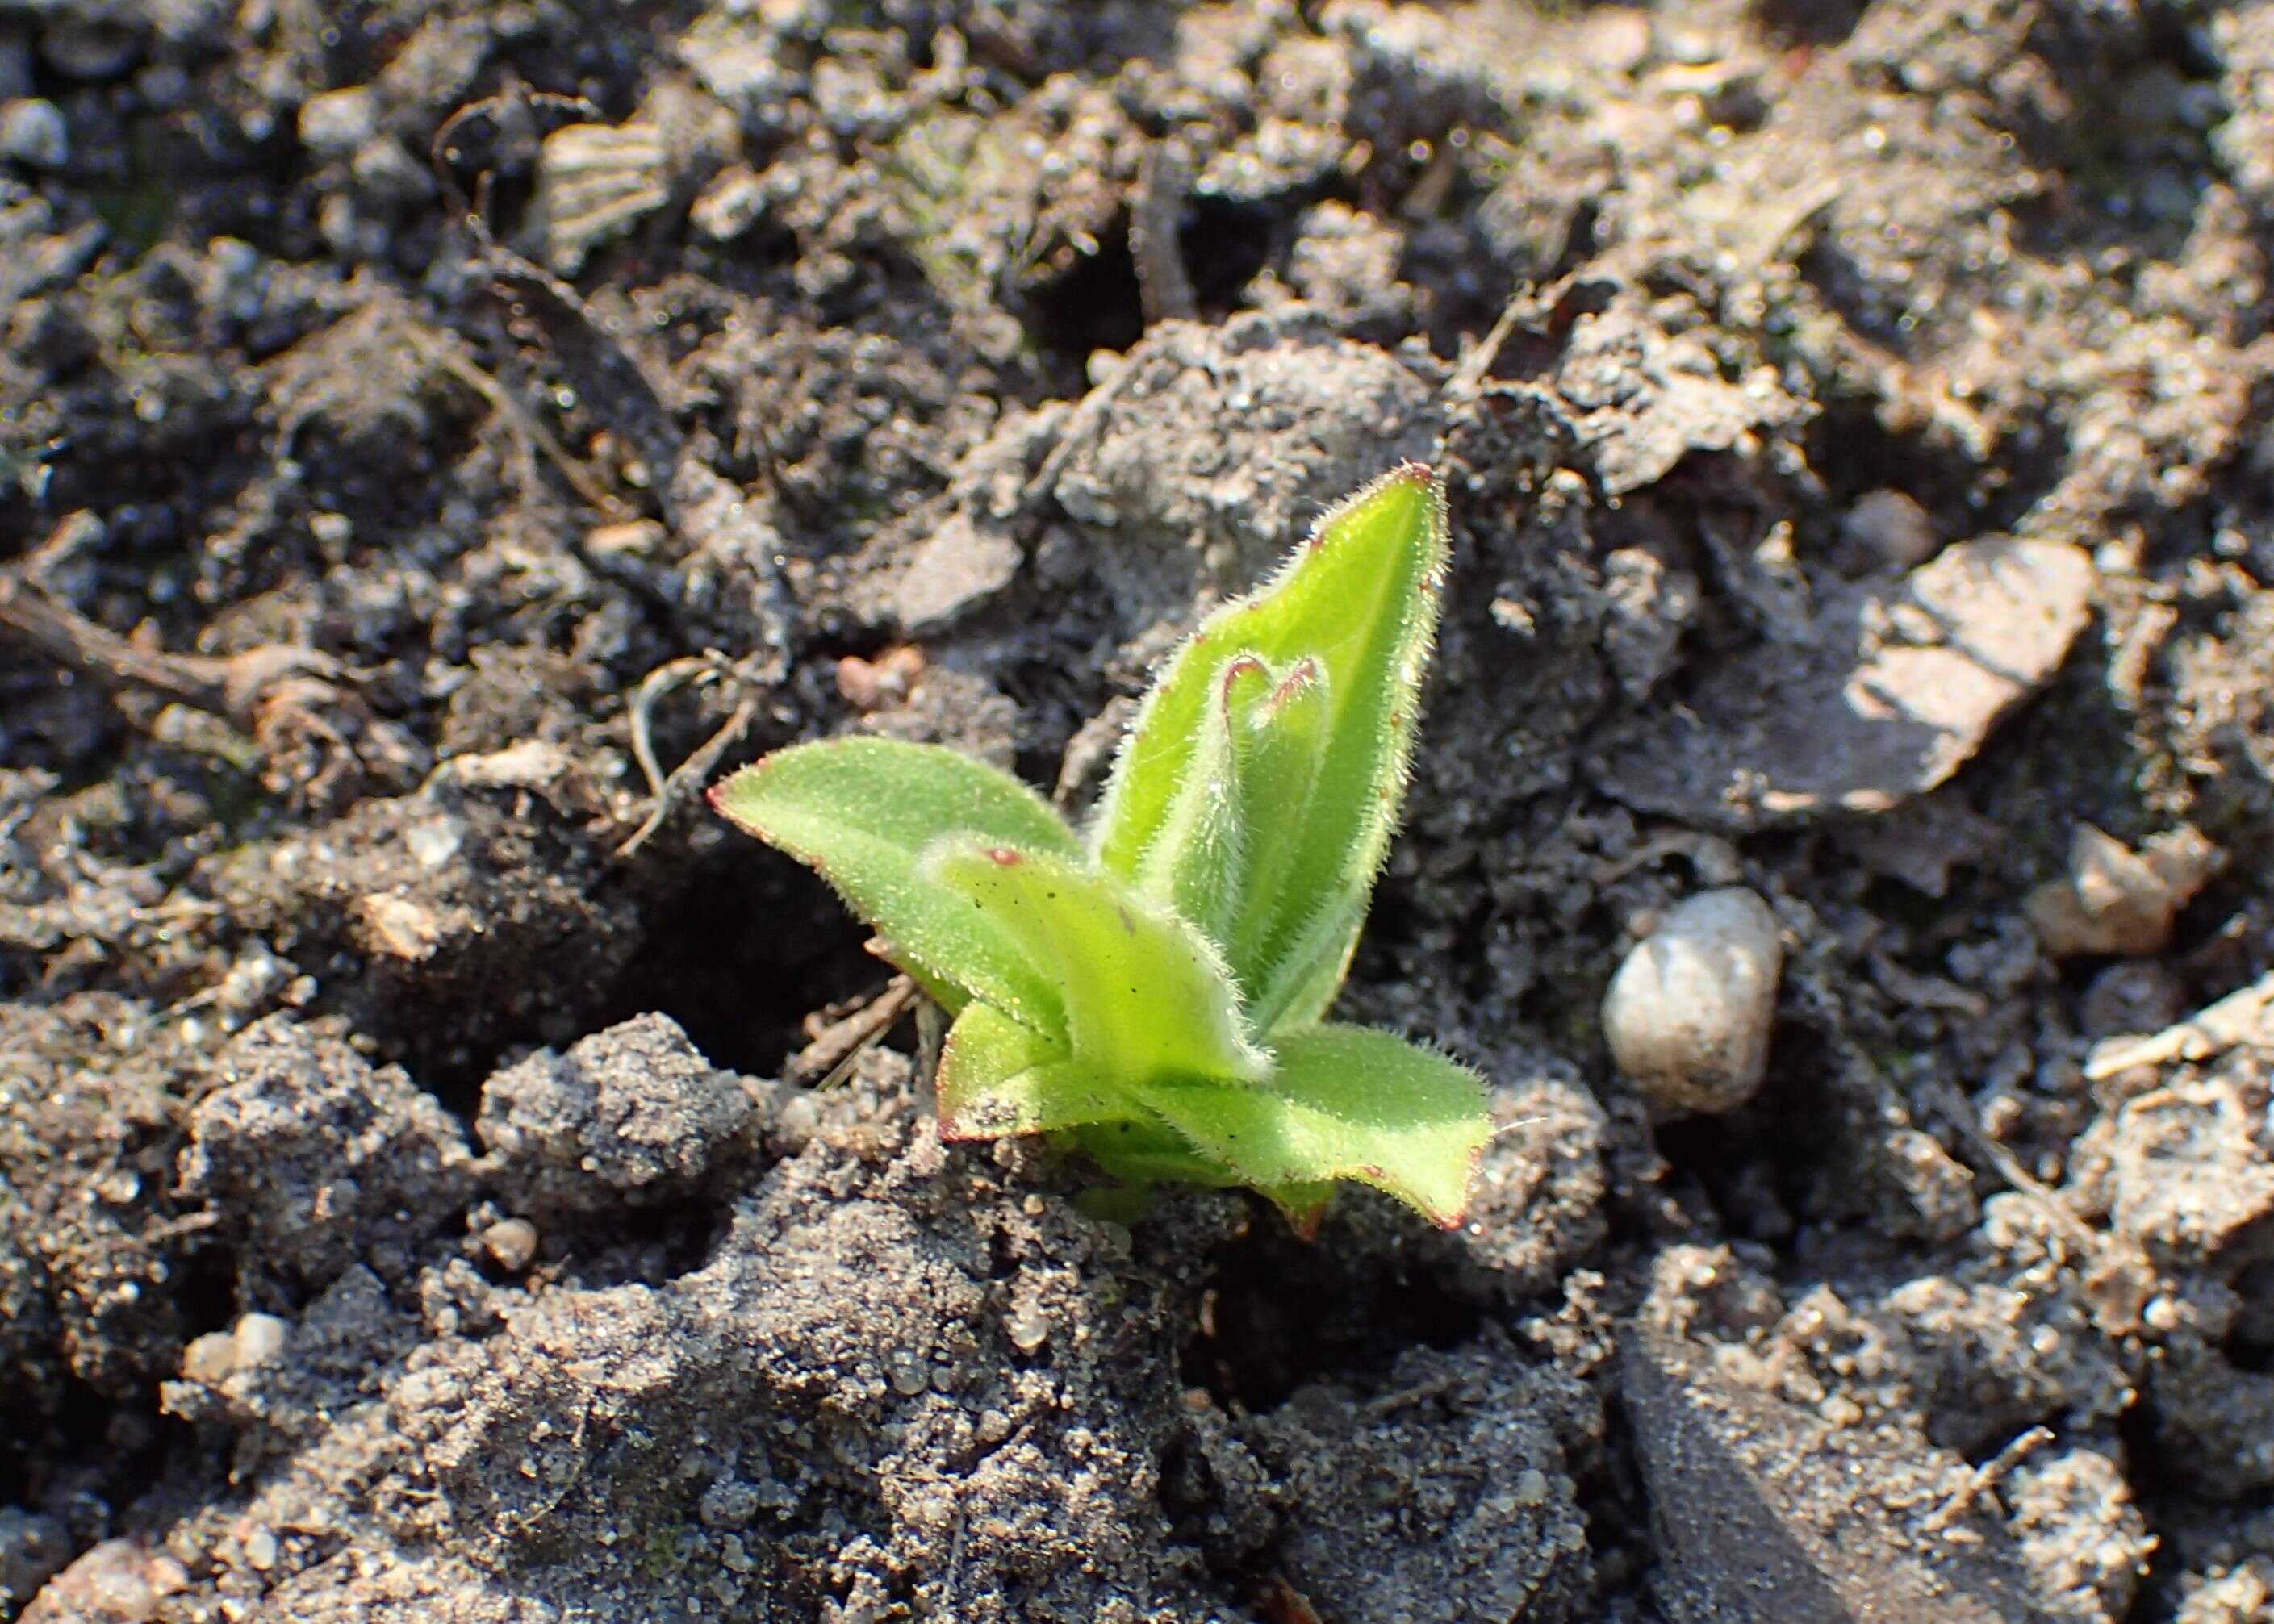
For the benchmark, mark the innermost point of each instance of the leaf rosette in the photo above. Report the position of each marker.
(1155, 993)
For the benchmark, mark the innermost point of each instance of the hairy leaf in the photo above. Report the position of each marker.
(862, 812)
(1143, 994)
(1151, 996)
(1282, 743)
(999, 1078)
(1350, 617)
(1342, 1102)
(1197, 864)
(1145, 1150)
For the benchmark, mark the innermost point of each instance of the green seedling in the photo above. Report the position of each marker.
(1155, 995)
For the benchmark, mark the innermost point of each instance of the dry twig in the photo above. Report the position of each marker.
(299, 704)
(669, 789)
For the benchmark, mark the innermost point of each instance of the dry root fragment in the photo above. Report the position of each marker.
(317, 737)
(2244, 1016)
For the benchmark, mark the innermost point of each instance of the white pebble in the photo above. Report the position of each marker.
(513, 1242)
(1688, 1015)
(334, 123)
(1029, 1326)
(210, 1360)
(260, 1340)
(1887, 528)
(33, 132)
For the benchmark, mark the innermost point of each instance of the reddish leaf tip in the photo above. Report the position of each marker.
(1296, 683)
(1246, 665)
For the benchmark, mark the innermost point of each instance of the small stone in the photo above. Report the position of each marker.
(797, 1122)
(335, 123)
(434, 841)
(388, 174)
(1885, 530)
(397, 927)
(1692, 47)
(116, 1581)
(260, 1545)
(512, 1242)
(260, 1340)
(871, 685)
(952, 572)
(2117, 900)
(210, 1360)
(1688, 1013)
(733, 202)
(1615, 39)
(728, 1503)
(1027, 1326)
(636, 538)
(33, 132)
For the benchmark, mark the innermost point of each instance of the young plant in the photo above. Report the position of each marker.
(1155, 993)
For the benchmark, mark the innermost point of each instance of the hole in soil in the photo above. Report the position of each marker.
(1285, 1311)
(1725, 1159)
(1761, 1165)
(2249, 1356)
(1854, 452)
(2156, 1486)
(647, 1246)
(739, 955)
(1811, 22)
(1095, 306)
(138, 1446)
(1224, 243)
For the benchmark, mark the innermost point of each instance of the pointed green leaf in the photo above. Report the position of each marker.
(1359, 601)
(999, 1078)
(1195, 866)
(862, 812)
(1281, 743)
(1342, 1102)
(1304, 1205)
(1144, 995)
(1307, 971)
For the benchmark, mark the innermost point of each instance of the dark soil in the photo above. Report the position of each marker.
(413, 1201)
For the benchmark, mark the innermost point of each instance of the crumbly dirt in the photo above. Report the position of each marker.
(424, 427)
